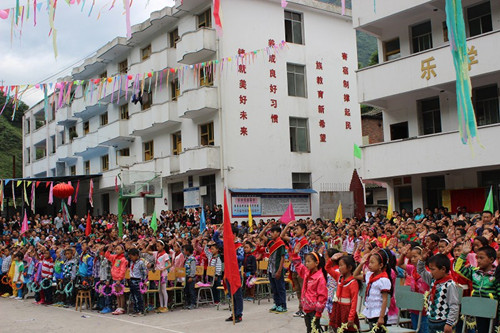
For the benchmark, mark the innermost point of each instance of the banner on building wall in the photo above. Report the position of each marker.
(240, 205)
(267, 205)
(191, 197)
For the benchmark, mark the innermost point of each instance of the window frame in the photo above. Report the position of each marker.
(175, 89)
(147, 100)
(174, 38)
(124, 108)
(494, 99)
(177, 143)
(104, 119)
(209, 134)
(292, 20)
(123, 67)
(148, 150)
(295, 76)
(105, 162)
(300, 175)
(206, 17)
(206, 80)
(480, 18)
(72, 170)
(146, 52)
(432, 111)
(421, 37)
(86, 127)
(86, 167)
(295, 148)
(395, 53)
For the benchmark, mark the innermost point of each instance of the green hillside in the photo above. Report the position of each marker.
(367, 46)
(11, 141)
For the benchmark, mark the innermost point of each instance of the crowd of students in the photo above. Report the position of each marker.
(441, 256)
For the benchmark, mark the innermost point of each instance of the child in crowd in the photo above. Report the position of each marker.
(190, 265)
(163, 264)
(331, 282)
(314, 292)
(44, 296)
(118, 269)
(379, 288)
(483, 277)
(443, 299)
(105, 281)
(249, 268)
(138, 274)
(216, 262)
(69, 276)
(16, 276)
(6, 261)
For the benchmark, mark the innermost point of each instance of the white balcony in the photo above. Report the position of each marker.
(196, 46)
(88, 146)
(91, 67)
(374, 17)
(64, 153)
(115, 134)
(157, 118)
(169, 165)
(39, 136)
(199, 159)
(40, 166)
(126, 161)
(153, 63)
(380, 160)
(64, 117)
(400, 76)
(107, 181)
(197, 103)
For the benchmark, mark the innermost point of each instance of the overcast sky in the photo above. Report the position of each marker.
(30, 57)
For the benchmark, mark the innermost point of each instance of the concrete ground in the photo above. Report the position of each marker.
(24, 316)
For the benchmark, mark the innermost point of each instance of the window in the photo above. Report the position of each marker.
(52, 144)
(72, 170)
(147, 100)
(146, 52)
(53, 111)
(123, 67)
(124, 112)
(124, 152)
(150, 206)
(210, 198)
(206, 78)
(293, 27)
(479, 19)
(103, 75)
(174, 38)
(207, 134)
(399, 131)
(301, 181)
(104, 119)
(392, 49)
(27, 127)
(421, 37)
(72, 133)
(296, 80)
(176, 143)
(205, 19)
(105, 163)
(28, 156)
(175, 89)
(445, 32)
(86, 127)
(40, 152)
(148, 151)
(486, 105)
(299, 135)
(87, 167)
(62, 137)
(430, 115)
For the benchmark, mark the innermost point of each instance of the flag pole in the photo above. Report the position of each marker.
(232, 306)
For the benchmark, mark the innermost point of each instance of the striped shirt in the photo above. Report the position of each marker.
(47, 268)
(217, 263)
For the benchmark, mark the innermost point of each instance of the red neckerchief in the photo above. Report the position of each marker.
(275, 244)
(446, 278)
(302, 242)
(342, 283)
(415, 276)
(158, 257)
(372, 280)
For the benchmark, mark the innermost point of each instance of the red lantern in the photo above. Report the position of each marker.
(63, 190)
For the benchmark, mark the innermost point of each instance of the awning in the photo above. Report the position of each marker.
(272, 190)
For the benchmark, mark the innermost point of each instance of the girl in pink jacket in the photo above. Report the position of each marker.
(118, 268)
(314, 291)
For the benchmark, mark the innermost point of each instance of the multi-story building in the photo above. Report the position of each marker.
(271, 127)
(422, 159)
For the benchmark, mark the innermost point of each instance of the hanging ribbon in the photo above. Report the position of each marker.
(51, 193)
(76, 191)
(25, 195)
(126, 5)
(1, 195)
(91, 193)
(14, 195)
(69, 198)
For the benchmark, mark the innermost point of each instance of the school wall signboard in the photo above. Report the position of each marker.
(270, 202)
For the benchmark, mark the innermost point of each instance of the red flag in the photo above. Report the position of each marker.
(218, 23)
(91, 193)
(76, 191)
(88, 229)
(47, 184)
(38, 183)
(231, 269)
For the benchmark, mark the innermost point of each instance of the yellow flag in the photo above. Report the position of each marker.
(19, 183)
(389, 209)
(338, 216)
(250, 220)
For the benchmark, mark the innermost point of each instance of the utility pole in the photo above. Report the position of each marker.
(14, 166)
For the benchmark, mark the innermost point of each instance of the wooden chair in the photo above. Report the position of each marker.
(83, 296)
(262, 285)
(205, 290)
(153, 276)
(174, 288)
(479, 307)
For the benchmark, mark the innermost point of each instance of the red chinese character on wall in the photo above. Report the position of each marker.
(319, 80)
(347, 98)
(274, 103)
(345, 70)
(344, 56)
(274, 118)
(347, 112)
(320, 93)
(322, 138)
(243, 99)
(272, 73)
(243, 84)
(321, 109)
(241, 51)
(271, 42)
(322, 123)
(319, 65)
(346, 84)
(242, 69)
(244, 131)
(348, 125)
(272, 58)
(243, 115)
(273, 88)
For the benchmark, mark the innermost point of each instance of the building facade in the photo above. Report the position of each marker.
(422, 159)
(272, 127)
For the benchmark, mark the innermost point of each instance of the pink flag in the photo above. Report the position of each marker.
(76, 191)
(51, 193)
(24, 227)
(91, 193)
(284, 3)
(289, 215)
(69, 198)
